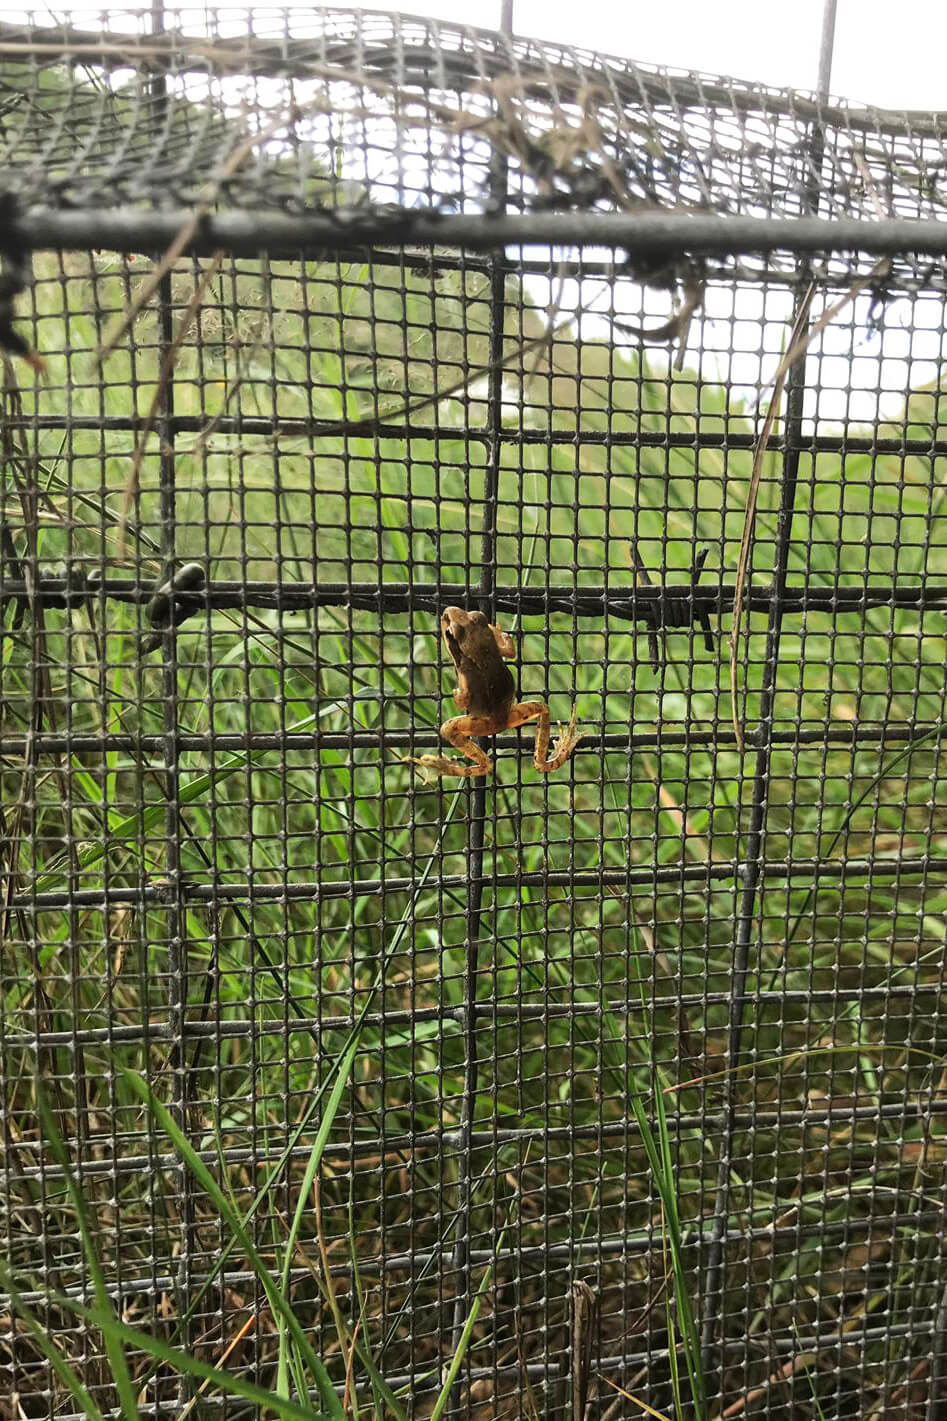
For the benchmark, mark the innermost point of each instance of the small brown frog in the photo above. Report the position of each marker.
(487, 692)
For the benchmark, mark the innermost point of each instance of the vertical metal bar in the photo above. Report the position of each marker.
(937, 1395)
(713, 1292)
(175, 921)
(477, 804)
(827, 47)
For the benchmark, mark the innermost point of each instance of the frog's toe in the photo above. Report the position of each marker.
(432, 767)
(565, 744)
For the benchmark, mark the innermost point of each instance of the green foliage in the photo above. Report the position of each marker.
(332, 918)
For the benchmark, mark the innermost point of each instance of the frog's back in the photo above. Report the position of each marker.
(487, 690)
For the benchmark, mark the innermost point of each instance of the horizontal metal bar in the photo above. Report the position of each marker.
(166, 893)
(285, 428)
(435, 1143)
(248, 233)
(426, 1381)
(537, 1255)
(470, 53)
(654, 738)
(625, 602)
(793, 1340)
(423, 1385)
(487, 1011)
(848, 733)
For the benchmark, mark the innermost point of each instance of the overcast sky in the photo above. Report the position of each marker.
(887, 52)
(892, 53)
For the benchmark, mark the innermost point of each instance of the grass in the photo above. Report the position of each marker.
(293, 1162)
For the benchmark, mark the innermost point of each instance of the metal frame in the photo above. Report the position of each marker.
(191, 1024)
(242, 233)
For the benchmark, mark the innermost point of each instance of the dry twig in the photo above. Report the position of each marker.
(799, 343)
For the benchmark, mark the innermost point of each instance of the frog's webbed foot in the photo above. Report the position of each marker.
(432, 767)
(458, 733)
(562, 748)
(417, 760)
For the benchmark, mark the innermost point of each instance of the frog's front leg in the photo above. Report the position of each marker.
(564, 746)
(458, 732)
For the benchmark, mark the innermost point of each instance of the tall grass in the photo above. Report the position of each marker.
(292, 1155)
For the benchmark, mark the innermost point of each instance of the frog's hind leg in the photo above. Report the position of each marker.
(458, 732)
(564, 746)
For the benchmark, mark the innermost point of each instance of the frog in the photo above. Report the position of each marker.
(486, 692)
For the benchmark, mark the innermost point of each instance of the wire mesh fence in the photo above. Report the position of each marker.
(496, 1093)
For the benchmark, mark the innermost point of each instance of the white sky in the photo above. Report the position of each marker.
(887, 52)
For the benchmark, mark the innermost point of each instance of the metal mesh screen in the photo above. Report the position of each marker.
(629, 1075)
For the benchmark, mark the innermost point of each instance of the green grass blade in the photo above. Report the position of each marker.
(45, 1344)
(133, 827)
(470, 1323)
(123, 1335)
(282, 1311)
(380, 1388)
(661, 1162)
(262, 1194)
(114, 1349)
(347, 1058)
(916, 740)
(341, 1074)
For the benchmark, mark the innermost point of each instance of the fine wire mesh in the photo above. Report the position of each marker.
(332, 111)
(216, 863)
